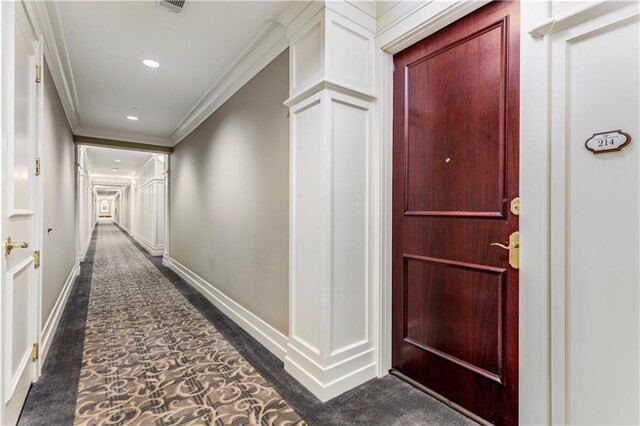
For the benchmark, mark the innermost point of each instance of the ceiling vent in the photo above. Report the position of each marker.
(176, 6)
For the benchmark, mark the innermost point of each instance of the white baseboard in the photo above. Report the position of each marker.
(266, 335)
(127, 230)
(154, 250)
(83, 254)
(52, 322)
(327, 382)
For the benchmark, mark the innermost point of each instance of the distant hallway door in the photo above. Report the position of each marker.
(455, 160)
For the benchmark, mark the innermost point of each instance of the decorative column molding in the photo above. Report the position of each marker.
(167, 223)
(133, 206)
(331, 345)
(148, 191)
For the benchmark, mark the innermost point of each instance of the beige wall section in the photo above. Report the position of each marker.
(58, 158)
(229, 186)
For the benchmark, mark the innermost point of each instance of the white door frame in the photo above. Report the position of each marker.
(534, 390)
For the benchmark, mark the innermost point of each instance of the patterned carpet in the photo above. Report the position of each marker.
(151, 358)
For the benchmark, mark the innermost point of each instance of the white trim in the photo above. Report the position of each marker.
(400, 28)
(265, 48)
(266, 335)
(148, 162)
(534, 343)
(154, 250)
(49, 329)
(44, 15)
(149, 182)
(369, 7)
(87, 243)
(346, 374)
(167, 210)
(573, 17)
(382, 190)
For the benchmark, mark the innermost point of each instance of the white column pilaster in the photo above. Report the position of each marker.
(133, 211)
(167, 232)
(331, 341)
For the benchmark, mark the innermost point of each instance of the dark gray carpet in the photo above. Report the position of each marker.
(385, 401)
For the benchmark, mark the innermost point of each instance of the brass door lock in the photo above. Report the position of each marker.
(514, 249)
(515, 206)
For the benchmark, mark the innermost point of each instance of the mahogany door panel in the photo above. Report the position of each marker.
(455, 160)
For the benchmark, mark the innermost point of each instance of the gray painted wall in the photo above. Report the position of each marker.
(58, 158)
(229, 187)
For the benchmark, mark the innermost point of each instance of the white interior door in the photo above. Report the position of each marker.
(595, 220)
(20, 216)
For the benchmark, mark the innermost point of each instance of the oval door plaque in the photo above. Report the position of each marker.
(614, 140)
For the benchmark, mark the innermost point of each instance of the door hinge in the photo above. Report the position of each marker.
(35, 352)
(36, 259)
(37, 73)
(37, 166)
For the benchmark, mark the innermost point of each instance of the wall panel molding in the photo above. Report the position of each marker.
(148, 205)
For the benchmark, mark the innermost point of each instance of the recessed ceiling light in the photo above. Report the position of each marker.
(117, 161)
(151, 63)
(132, 118)
(114, 169)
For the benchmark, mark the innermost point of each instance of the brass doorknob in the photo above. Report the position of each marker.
(509, 247)
(10, 245)
(514, 249)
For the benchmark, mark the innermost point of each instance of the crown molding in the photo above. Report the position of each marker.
(573, 17)
(369, 7)
(46, 20)
(406, 23)
(265, 48)
(292, 11)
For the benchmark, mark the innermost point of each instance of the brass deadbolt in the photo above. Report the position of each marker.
(515, 206)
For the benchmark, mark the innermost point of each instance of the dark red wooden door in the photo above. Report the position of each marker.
(455, 160)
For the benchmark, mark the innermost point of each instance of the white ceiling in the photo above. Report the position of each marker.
(106, 42)
(104, 159)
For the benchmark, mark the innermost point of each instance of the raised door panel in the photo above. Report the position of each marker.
(455, 166)
(444, 301)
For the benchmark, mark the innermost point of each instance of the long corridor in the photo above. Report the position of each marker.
(150, 357)
(137, 345)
